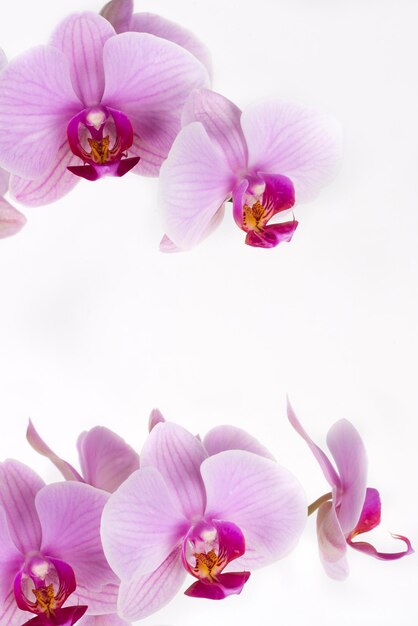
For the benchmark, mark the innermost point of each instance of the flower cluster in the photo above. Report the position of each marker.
(114, 542)
(117, 92)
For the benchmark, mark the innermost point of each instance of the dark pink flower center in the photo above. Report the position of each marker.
(101, 137)
(42, 586)
(207, 550)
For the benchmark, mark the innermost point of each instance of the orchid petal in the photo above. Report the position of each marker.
(331, 542)
(81, 37)
(224, 586)
(294, 141)
(324, 462)
(4, 182)
(263, 499)
(119, 14)
(195, 181)
(36, 102)
(143, 595)
(161, 27)
(11, 220)
(10, 558)
(66, 616)
(70, 514)
(221, 120)
(141, 524)
(272, 235)
(149, 79)
(100, 600)
(10, 614)
(40, 446)
(156, 417)
(223, 438)
(55, 183)
(177, 455)
(348, 450)
(106, 459)
(18, 488)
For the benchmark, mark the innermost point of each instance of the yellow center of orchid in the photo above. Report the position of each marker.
(207, 565)
(99, 150)
(45, 599)
(254, 216)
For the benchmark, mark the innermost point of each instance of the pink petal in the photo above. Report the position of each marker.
(324, 462)
(10, 614)
(143, 595)
(263, 499)
(119, 14)
(101, 600)
(272, 235)
(154, 151)
(18, 488)
(66, 616)
(369, 519)
(40, 446)
(149, 79)
(225, 585)
(221, 120)
(81, 37)
(36, 103)
(177, 455)
(11, 220)
(4, 182)
(331, 542)
(102, 620)
(161, 27)
(11, 560)
(141, 524)
(55, 183)
(348, 450)
(156, 417)
(223, 438)
(70, 514)
(294, 141)
(106, 459)
(195, 181)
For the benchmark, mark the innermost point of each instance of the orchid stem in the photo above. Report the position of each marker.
(315, 505)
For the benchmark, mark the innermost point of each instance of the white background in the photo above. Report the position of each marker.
(97, 326)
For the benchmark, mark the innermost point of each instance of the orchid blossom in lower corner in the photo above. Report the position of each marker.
(213, 515)
(263, 159)
(352, 508)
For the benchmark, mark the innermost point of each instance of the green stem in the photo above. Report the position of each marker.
(315, 505)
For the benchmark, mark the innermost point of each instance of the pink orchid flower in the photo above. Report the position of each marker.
(120, 14)
(11, 220)
(352, 508)
(90, 104)
(262, 159)
(50, 550)
(215, 517)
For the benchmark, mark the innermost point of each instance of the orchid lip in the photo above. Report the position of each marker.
(101, 137)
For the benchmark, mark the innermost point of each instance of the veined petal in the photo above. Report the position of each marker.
(10, 558)
(149, 79)
(294, 141)
(331, 542)
(143, 595)
(349, 453)
(141, 524)
(106, 459)
(55, 183)
(10, 614)
(194, 183)
(70, 514)
(263, 499)
(81, 37)
(223, 438)
(177, 455)
(324, 462)
(40, 446)
(100, 600)
(155, 418)
(152, 147)
(119, 14)
(221, 120)
(11, 220)
(36, 103)
(4, 182)
(161, 27)
(18, 488)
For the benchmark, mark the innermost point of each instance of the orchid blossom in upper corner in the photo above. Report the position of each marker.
(90, 104)
(351, 508)
(262, 159)
(51, 559)
(120, 14)
(214, 515)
